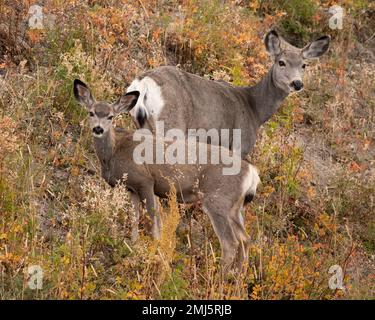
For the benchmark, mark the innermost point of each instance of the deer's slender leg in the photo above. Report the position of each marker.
(223, 229)
(242, 237)
(152, 207)
(134, 198)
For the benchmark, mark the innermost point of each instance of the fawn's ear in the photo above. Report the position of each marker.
(126, 102)
(316, 48)
(82, 93)
(272, 41)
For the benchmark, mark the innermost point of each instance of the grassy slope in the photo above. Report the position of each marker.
(316, 203)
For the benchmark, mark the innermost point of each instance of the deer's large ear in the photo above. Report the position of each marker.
(316, 48)
(126, 102)
(82, 93)
(272, 42)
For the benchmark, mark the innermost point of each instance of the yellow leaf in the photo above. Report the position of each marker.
(75, 171)
(65, 260)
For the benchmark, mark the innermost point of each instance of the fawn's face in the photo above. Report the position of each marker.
(101, 114)
(289, 64)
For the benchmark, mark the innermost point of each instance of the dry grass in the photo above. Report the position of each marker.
(314, 208)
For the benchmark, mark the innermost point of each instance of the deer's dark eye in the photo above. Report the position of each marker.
(110, 118)
(281, 63)
(304, 66)
(91, 114)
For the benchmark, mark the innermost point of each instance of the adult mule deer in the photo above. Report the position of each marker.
(186, 101)
(222, 196)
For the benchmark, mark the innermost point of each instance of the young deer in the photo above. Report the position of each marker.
(222, 196)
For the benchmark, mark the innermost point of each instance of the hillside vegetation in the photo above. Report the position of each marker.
(315, 206)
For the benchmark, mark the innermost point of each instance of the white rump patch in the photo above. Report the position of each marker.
(251, 181)
(150, 98)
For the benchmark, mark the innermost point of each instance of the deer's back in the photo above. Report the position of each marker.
(188, 101)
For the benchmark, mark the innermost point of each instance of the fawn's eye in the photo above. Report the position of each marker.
(281, 63)
(91, 114)
(110, 118)
(304, 66)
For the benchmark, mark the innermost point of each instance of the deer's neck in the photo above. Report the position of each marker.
(266, 97)
(104, 147)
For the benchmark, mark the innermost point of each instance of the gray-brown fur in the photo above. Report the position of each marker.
(222, 196)
(192, 102)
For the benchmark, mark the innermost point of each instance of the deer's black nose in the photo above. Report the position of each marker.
(98, 130)
(297, 85)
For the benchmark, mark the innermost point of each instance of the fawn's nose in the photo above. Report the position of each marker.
(98, 130)
(297, 85)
